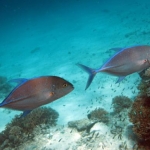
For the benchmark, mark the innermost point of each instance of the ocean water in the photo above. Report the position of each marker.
(49, 37)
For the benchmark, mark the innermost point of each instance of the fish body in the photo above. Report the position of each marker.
(32, 93)
(126, 61)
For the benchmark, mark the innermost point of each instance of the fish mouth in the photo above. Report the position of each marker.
(72, 87)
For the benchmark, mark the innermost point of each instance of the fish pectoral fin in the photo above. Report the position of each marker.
(120, 79)
(26, 112)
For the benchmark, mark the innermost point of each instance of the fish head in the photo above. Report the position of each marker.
(142, 64)
(61, 87)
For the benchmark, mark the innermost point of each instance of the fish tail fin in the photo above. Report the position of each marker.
(91, 73)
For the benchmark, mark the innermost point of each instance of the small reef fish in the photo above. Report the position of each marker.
(32, 93)
(126, 61)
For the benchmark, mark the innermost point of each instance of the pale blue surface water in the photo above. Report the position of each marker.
(48, 37)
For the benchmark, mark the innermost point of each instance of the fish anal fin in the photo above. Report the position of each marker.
(26, 112)
(120, 79)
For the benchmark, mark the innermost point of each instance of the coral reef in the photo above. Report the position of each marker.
(139, 114)
(144, 85)
(99, 133)
(119, 124)
(144, 88)
(99, 114)
(140, 117)
(100, 136)
(120, 103)
(95, 139)
(145, 74)
(21, 129)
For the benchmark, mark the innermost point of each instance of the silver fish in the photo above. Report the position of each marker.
(32, 93)
(126, 61)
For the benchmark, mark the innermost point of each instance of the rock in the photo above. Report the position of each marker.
(80, 125)
(101, 127)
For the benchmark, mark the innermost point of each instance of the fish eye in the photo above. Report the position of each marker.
(65, 85)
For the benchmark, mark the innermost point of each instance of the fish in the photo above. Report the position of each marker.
(32, 93)
(124, 62)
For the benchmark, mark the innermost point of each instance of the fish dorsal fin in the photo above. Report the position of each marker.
(116, 49)
(19, 80)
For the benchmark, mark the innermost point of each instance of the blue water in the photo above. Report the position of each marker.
(49, 37)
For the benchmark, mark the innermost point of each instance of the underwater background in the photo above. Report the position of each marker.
(49, 37)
